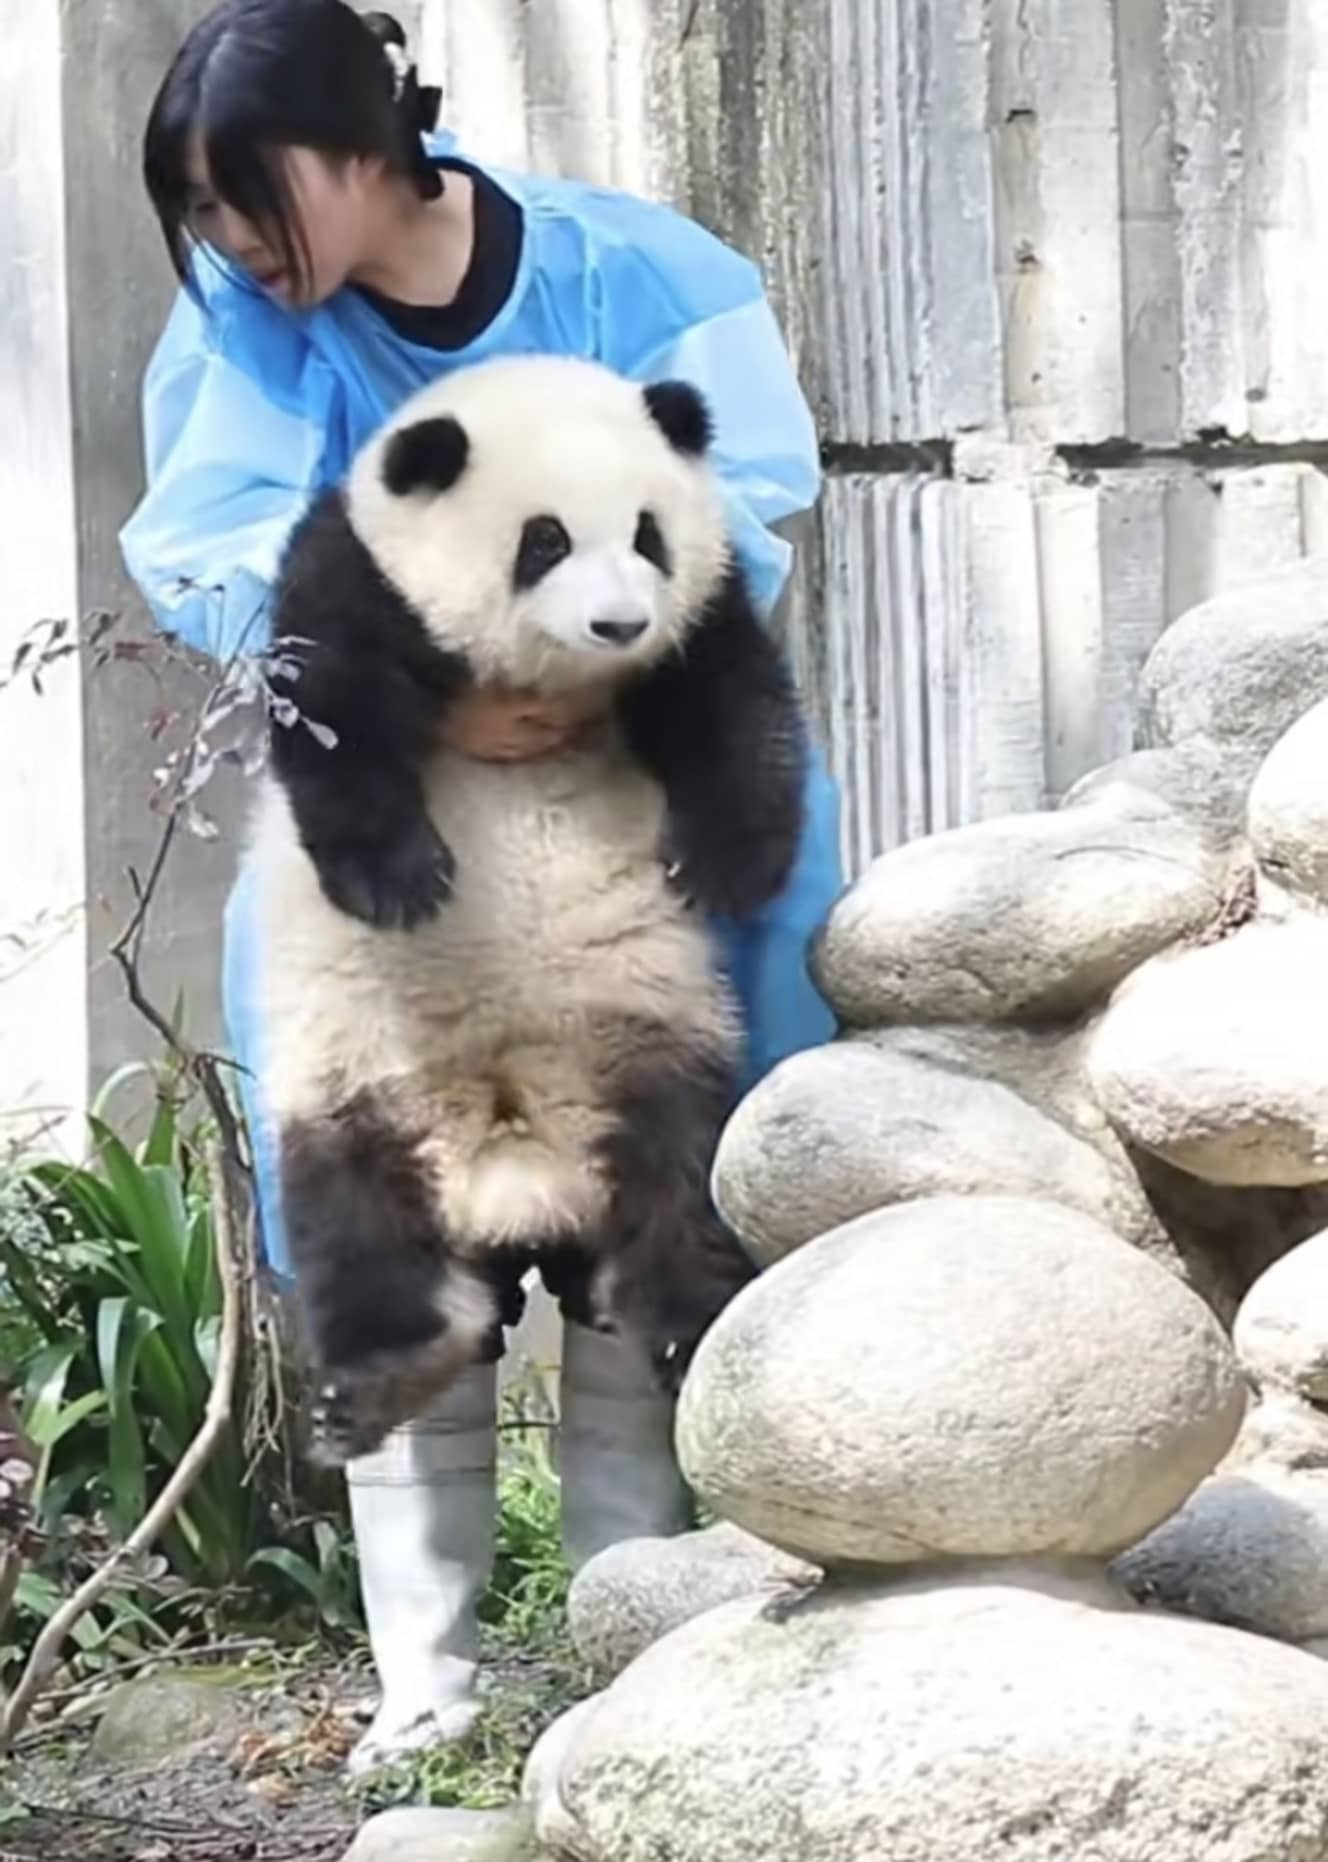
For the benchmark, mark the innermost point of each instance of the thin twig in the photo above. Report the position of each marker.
(182, 1651)
(228, 1179)
(11, 1569)
(46, 1650)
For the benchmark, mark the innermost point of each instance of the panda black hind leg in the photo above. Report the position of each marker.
(668, 1265)
(393, 1314)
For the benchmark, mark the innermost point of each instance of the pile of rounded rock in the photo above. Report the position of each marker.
(1020, 1445)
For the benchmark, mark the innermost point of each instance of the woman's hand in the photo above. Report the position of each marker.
(499, 726)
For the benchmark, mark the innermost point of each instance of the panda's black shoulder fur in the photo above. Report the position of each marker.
(356, 661)
(720, 727)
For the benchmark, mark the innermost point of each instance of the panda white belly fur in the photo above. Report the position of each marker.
(493, 1030)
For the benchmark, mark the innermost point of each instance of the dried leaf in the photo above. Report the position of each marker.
(198, 777)
(322, 733)
(202, 826)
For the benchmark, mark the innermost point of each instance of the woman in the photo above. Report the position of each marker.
(336, 255)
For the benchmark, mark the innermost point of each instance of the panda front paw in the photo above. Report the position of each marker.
(727, 880)
(393, 887)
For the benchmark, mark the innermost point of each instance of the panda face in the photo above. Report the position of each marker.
(606, 601)
(552, 522)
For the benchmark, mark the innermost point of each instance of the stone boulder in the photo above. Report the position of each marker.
(995, 1714)
(1237, 671)
(1026, 916)
(961, 1377)
(1281, 1330)
(1281, 1431)
(1212, 1057)
(629, 1596)
(1250, 1550)
(421, 1835)
(839, 1131)
(164, 1715)
(1288, 808)
(1196, 780)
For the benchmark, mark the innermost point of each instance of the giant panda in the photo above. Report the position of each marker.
(499, 1034)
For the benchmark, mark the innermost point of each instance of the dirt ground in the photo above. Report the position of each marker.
(269, 1789)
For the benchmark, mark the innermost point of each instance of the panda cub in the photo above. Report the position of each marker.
(499, 1034)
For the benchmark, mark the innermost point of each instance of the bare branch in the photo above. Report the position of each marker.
(183, 775)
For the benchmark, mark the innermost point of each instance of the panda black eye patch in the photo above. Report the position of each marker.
(650, 543)
(544, 544)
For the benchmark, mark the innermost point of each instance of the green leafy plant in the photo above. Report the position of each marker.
(111, 1300)
(528, 1589)
(121, 1287)
(328, 1579)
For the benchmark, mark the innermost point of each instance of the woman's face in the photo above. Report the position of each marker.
(332, 206)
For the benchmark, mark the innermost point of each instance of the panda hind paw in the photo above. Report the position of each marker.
(339, 1429)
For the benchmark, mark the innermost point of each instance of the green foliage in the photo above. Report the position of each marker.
(110, 1310)
(116, 1276)
(483, 1771)
(528, 1589)
(329, 1579)
(110, 1304)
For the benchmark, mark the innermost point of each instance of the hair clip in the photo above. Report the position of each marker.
(399, 62)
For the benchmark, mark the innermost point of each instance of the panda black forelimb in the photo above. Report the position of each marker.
(720, 728)
(362, 672)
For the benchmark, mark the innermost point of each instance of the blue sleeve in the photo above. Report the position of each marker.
(678, 302)
(233, 455)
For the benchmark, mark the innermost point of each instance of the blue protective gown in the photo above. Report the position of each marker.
(250, 409)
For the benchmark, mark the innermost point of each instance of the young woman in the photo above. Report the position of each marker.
(336, 254)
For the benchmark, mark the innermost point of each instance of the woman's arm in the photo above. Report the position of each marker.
(232, 465)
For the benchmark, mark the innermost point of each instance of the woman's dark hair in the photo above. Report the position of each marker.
(257, 77)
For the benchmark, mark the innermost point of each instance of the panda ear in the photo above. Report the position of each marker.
(681, 414)
(430, 456)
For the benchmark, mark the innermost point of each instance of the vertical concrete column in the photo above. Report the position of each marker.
(1075, 372)
(84, 288)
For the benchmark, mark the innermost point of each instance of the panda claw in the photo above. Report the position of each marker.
(333, 1438)
(671, 1363)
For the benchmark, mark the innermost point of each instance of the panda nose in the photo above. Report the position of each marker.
(618, 633)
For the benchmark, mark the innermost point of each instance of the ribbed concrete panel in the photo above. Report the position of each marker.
(982, 640)
(910, 308)
(1074, 223)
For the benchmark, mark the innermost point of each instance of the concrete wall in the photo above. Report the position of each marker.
(83, 290)
(1053, 272)
(43, 945)
(1076, 366)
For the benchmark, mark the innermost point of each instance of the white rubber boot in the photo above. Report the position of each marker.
(620, 1479)
(424, 1508)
